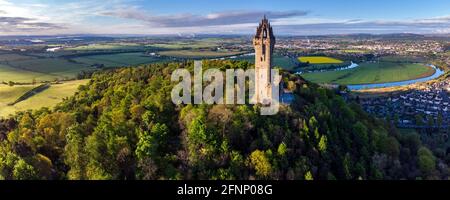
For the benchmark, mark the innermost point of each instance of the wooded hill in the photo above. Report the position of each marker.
(123, 125)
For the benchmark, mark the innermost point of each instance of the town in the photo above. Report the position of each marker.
(426, 106)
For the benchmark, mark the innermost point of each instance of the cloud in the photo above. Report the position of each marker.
(422, 26)
(129, 17)
(191, 20)
(23, 24)
(285, 22)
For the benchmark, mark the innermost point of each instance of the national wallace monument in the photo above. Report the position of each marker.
(264, 43)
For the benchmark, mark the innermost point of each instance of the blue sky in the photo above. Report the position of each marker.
(289, 17)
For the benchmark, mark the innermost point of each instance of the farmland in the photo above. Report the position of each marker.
(105, 47)
(357, 51)
(279, 61)
(381, 72)
(116, 60)
(8, 73)
(64, 60)
(23, 68)
(47, 98)
(199, 53)
(319, 60)
(184, 45)
(53, 66)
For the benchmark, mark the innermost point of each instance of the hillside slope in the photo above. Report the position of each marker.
(123, 125)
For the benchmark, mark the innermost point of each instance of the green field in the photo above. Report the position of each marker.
(319, 60)
(47, 98)
(198, 53)
(34, 63)
(8, 57)
(205, 43)
(279, 61)
(354, 51)
(103, 47)
(402, 59)
(25, 69)
(116, 60)
(183, 45)
(53, 66)
(381, 72)
(8, 73)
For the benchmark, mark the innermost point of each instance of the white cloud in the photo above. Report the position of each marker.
(191, 20)
(119, 17)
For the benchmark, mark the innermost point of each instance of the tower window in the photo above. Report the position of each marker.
(264, 51)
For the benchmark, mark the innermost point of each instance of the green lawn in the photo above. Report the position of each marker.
(319, 60)
(47, 98)
(382, 72)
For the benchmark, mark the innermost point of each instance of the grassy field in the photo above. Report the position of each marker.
(354, 51)
(54, 66)
(198, 53)
(116, 60)
(381, 72)
(8, 57)
(183, 45)
(398, 58)
(279, 61)
(195, 43)
(48, 65)
(24, 69)
(106, 47)
(319, 60)
(8, 73)
(47, 98)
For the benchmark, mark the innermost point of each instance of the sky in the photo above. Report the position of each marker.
(288, 17)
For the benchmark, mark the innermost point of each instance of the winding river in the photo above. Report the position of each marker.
(437, 72)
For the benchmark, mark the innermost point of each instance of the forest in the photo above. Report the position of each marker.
(123, 125)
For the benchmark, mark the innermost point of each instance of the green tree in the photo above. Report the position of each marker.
(361, 136)
(75, 155)
(152, 143)
(24, 171)
(426, 160)
(282, 149)
(309, 176)
(323, 144)
(260, 163)
(419, 120)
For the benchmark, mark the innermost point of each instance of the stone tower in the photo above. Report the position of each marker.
(263, 42)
